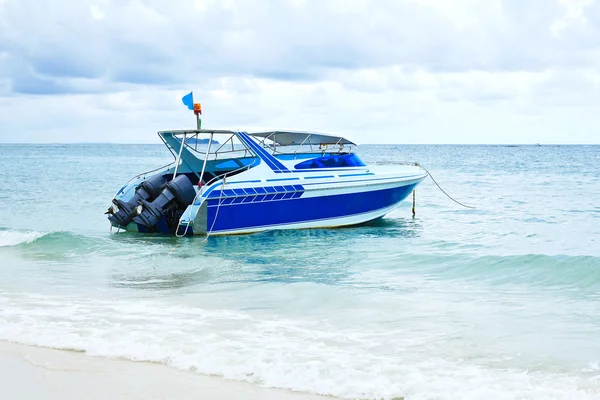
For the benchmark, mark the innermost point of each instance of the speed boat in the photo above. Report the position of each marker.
(250, 182)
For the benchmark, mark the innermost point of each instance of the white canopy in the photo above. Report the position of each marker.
(291, 138)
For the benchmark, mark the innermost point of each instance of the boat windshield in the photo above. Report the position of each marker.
(208, 155)
(332, 161)
(223, 146)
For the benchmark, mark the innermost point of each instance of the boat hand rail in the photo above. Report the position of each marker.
(218, 151)
(221, 178)
(185, 132)
(319, 151)
(224, 177)
(413, 163)
(245, 150)
(175, 132)
(143, 174)
(287, 137)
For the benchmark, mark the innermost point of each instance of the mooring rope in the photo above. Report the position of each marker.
(443, 191)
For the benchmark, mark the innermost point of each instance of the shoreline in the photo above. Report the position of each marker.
(45, 373)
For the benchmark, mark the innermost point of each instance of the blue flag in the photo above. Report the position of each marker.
(188, 100)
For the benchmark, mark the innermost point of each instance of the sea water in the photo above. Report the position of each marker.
(497, 302)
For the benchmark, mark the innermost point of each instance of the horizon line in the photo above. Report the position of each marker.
(371, 144)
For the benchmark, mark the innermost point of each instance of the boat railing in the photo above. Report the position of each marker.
(222, 178)
(322, 151)
(221, 151)
(146, 173)
(233, 149)
(304, 148)
(412, 163)
(143, 174)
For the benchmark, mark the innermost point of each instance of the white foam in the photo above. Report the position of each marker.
(14, 238)
(303, 355)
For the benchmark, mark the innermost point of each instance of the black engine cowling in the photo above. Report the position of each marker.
(177, 194)
(147, 190)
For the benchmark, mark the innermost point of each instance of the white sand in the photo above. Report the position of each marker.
(28, 372)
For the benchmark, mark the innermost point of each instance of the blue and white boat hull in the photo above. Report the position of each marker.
(242, 207)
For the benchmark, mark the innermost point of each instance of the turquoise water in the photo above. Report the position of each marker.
(499, 302)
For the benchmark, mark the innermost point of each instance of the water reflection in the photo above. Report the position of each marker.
(323, 256)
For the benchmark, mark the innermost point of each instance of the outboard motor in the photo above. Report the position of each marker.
(178, 193)
(147, 190)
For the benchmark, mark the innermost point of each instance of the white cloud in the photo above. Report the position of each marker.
(429, 71)
(574, 16)
(97, 12)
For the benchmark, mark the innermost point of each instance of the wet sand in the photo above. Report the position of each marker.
(30, 372)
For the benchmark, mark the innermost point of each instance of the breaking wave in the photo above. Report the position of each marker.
(10, 237)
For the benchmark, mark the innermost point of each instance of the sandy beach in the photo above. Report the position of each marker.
(30, 372)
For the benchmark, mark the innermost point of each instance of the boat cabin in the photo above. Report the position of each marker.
(208, 155)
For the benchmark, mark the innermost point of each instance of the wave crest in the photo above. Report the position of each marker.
(14, 238)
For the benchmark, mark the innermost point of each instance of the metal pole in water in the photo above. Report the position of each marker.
(414, 203)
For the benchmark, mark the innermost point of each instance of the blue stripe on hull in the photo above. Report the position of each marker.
(269, 159)
(289, 211)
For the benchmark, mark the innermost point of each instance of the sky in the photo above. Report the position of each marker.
(379, 71)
